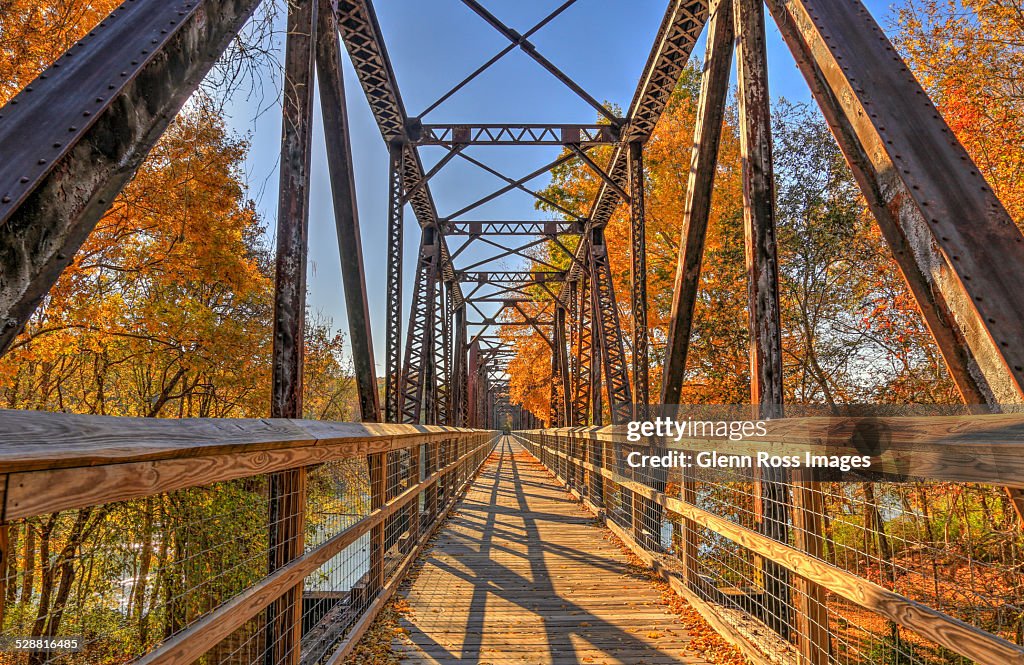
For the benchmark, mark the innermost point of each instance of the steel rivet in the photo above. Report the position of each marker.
(24, 179)
(5, 199)
(72, 128)
(41, 161)
(86, 114)
(56, 145)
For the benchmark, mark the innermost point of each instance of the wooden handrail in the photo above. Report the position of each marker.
(986, 449)
(33, 440)
(56, 461)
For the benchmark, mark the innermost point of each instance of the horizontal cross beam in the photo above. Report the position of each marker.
(512, 228)
(535, 277)
(512, 134)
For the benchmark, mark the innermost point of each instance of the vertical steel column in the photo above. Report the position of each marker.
(609, 331)
(556, 410)
(393, 320)
(346, 215)
(766, 387)
(418, 346)
(641, 360)
(287, 489)
(583, 334)
(714, 90)
(460, 374)
(565, 402)
(473, 386)
(594, 389)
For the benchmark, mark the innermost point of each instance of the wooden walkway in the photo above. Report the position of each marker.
(522, 574)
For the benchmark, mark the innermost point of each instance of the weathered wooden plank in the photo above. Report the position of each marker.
(522, 574)
(32, 440)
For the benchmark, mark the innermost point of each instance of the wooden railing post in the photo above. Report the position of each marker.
(813, 636)
(376, 463)
(287, 543)
(691, 563)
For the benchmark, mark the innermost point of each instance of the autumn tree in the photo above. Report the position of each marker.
(969, 55)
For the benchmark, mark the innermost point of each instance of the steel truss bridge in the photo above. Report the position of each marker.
(74, 137)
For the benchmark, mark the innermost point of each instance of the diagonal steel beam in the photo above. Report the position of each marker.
(707, 134)
(531, 50)
(74, 137)
(961, 254)
(515, 184)
(346, 215)
(498, 56)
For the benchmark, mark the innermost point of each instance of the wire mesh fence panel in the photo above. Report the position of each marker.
(915, 571)
(278, 567)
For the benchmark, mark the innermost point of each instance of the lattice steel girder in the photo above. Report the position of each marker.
(609, 333)
(511, 134)
(73, 138)
(512, 228)
(532, 321)
(960, 252)
(707, 133)
(418, 346)
(638, 280)
(393, 293)
(511, 276)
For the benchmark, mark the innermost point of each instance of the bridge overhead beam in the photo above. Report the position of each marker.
(512, 134)
(512, 228)
(511, 276)
(961, 254)
(74, 137)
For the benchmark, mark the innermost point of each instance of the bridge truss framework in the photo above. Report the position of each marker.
(74, 137)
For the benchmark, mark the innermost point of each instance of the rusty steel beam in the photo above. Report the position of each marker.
(511, 134)
(508, 276)
(74, 137)
(419, 343)
(393, 292)
(609, 332)
(707, 132)
(638, 281)
(286, 514)
(562, 377)
(957, 247)
(364, 42)
(512, 228)
(346, 216)
(759, 216)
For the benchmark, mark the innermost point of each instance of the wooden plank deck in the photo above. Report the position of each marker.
(522, 574)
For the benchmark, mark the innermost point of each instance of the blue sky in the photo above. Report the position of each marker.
(602, 44)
